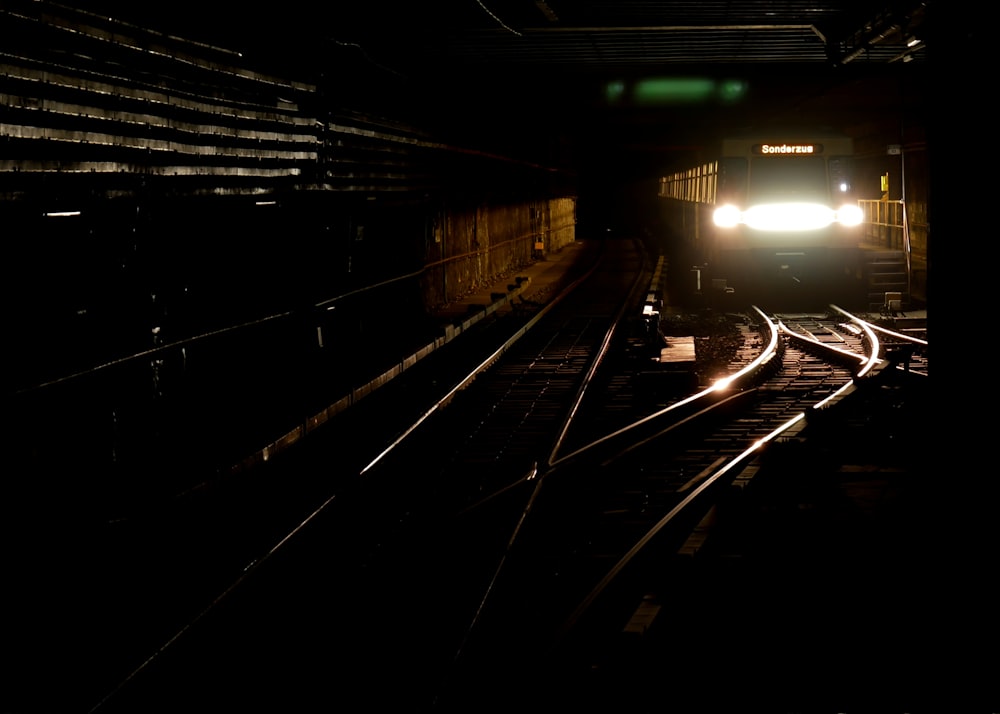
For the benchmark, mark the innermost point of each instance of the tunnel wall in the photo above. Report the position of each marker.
(194, 238)
(473, 246)
(150, 182)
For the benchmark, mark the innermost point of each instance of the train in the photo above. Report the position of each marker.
(767, 215)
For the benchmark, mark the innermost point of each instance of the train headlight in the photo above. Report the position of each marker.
(727, 216)
(789, 217)
(850, 215)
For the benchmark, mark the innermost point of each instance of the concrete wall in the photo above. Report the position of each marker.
(86, 97)
(193, 238)
(190, 179)
(473, 246)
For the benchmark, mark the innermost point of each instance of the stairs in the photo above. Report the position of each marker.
(886, 280)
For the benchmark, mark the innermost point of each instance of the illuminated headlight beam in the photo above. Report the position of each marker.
(727, 216)
(850, 214)
(787, 216)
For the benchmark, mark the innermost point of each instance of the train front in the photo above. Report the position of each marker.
(785, 220)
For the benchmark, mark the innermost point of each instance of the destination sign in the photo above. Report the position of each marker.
(772, 149)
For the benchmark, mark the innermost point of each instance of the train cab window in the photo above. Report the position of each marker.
(732, 186)
(797, 177)
(840, 175)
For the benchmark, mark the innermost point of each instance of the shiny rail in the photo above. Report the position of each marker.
(694, 496)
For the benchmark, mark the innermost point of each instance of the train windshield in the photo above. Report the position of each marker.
(780, 178)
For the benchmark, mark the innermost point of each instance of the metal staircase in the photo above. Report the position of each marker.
(887, 280)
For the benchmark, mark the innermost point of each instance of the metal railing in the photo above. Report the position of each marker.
(888, 225)
(885, 224)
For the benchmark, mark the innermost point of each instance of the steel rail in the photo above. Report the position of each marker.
(707, 481)
(735, 380)
(538, 477)
(880, 328)
(317, 512)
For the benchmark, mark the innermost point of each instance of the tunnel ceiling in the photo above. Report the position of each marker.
(532, 37)
(650, 73)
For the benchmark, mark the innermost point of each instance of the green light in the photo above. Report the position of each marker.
(732, 90)
(674, 90)
(615, 91)
(670, 90)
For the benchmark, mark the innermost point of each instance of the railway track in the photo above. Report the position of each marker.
(904, 349)
(362, 508)
(494, 541)
(641, 494)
